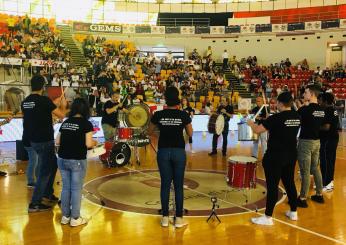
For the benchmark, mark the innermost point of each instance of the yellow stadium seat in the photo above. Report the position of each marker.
(216, 99)
(199, 105)
(201, 98)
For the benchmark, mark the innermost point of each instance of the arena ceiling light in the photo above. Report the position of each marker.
(333, 45)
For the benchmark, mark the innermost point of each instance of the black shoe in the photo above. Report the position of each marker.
(317, 198)
(33, 208)
(224, 154)
(52, 198)
(3, 173)
(212, 153)
(301, 203)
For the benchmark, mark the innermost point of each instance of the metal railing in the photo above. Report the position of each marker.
(183, 21)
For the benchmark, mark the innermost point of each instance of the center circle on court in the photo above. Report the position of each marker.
(139, 192)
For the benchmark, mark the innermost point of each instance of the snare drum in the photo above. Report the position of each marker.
(124, 134)
(241, 172)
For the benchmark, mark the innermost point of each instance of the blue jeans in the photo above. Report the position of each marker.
(172, 163)
(33, 167)
(72, 174)
(47, 170)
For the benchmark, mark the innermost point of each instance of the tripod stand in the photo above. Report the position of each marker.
(213, 212)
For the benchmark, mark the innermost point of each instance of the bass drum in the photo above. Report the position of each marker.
(216, 124)
(138, 116)
(120, 155)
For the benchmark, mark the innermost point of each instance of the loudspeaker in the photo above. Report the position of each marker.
(21, 153)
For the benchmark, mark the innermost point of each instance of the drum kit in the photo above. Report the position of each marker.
(131, 134)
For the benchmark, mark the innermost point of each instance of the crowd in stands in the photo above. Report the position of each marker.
(32, 39)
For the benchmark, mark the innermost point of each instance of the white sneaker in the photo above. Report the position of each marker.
(292, 215)
(327, 188)
(179, 222)
(77, 222)
(164, 221)
(65, 220)
(263, 220)
(192, 152)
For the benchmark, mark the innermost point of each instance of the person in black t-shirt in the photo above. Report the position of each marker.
(171, 156)
(226, 110)
(74, 138)
(263, 136)
(185, 106)
(312, 116)
(110, 116)
(280, 158)
(38, 133)
(329, 138)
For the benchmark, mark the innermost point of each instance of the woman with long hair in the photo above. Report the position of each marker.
(74, 138)
(171, 156)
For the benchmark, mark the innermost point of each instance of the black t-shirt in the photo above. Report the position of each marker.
(189, 110)
(37, 119)
(110, 119)
(171, 123)
(331, 117)
(312, 117)
(72, 138)
(263, 113)
(229, 110)
(283, 128)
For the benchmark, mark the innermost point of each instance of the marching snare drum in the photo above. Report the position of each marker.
(216, 124)
(245, 132)
(241, 172)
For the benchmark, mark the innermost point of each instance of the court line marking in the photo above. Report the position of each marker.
(252, 211)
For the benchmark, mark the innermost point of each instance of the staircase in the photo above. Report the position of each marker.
(77, 56)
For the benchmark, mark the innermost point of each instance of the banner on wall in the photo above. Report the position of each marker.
(10, 61)
(158, 30)
(247, 29)
(313, 25)
(217, 30)
(187, 30)
(263, 28)
(279, 27)
(50, 63)
(79, 26)
(129, 30)
(298, 26)
(342, 23)
(202, 30)
(232, 29)
(172, 29)
(330, 24)
(143, 29)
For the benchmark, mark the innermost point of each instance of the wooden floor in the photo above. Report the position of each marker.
(318, 224)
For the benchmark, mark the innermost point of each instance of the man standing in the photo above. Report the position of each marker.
(224, 60)
(38, 130)
(110, 116)
(226, 110)
(280, 158)
(329, 140)
(262, 137)
(312, 116)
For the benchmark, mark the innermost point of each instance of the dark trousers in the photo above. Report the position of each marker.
(327, 158)
(224, 141)
(47, 163)
(279, 166)
(172, 163)
(225, 64)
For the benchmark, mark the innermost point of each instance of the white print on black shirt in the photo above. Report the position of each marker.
(318, 113)
(171, 121)
(336, 113)
(70, 126)
(29, 105)
(292, 123)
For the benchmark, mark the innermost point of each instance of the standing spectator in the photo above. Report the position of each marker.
(225, 60)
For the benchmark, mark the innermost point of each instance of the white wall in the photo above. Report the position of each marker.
(267, 52)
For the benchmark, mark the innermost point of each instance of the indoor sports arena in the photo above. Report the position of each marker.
(172, 122)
